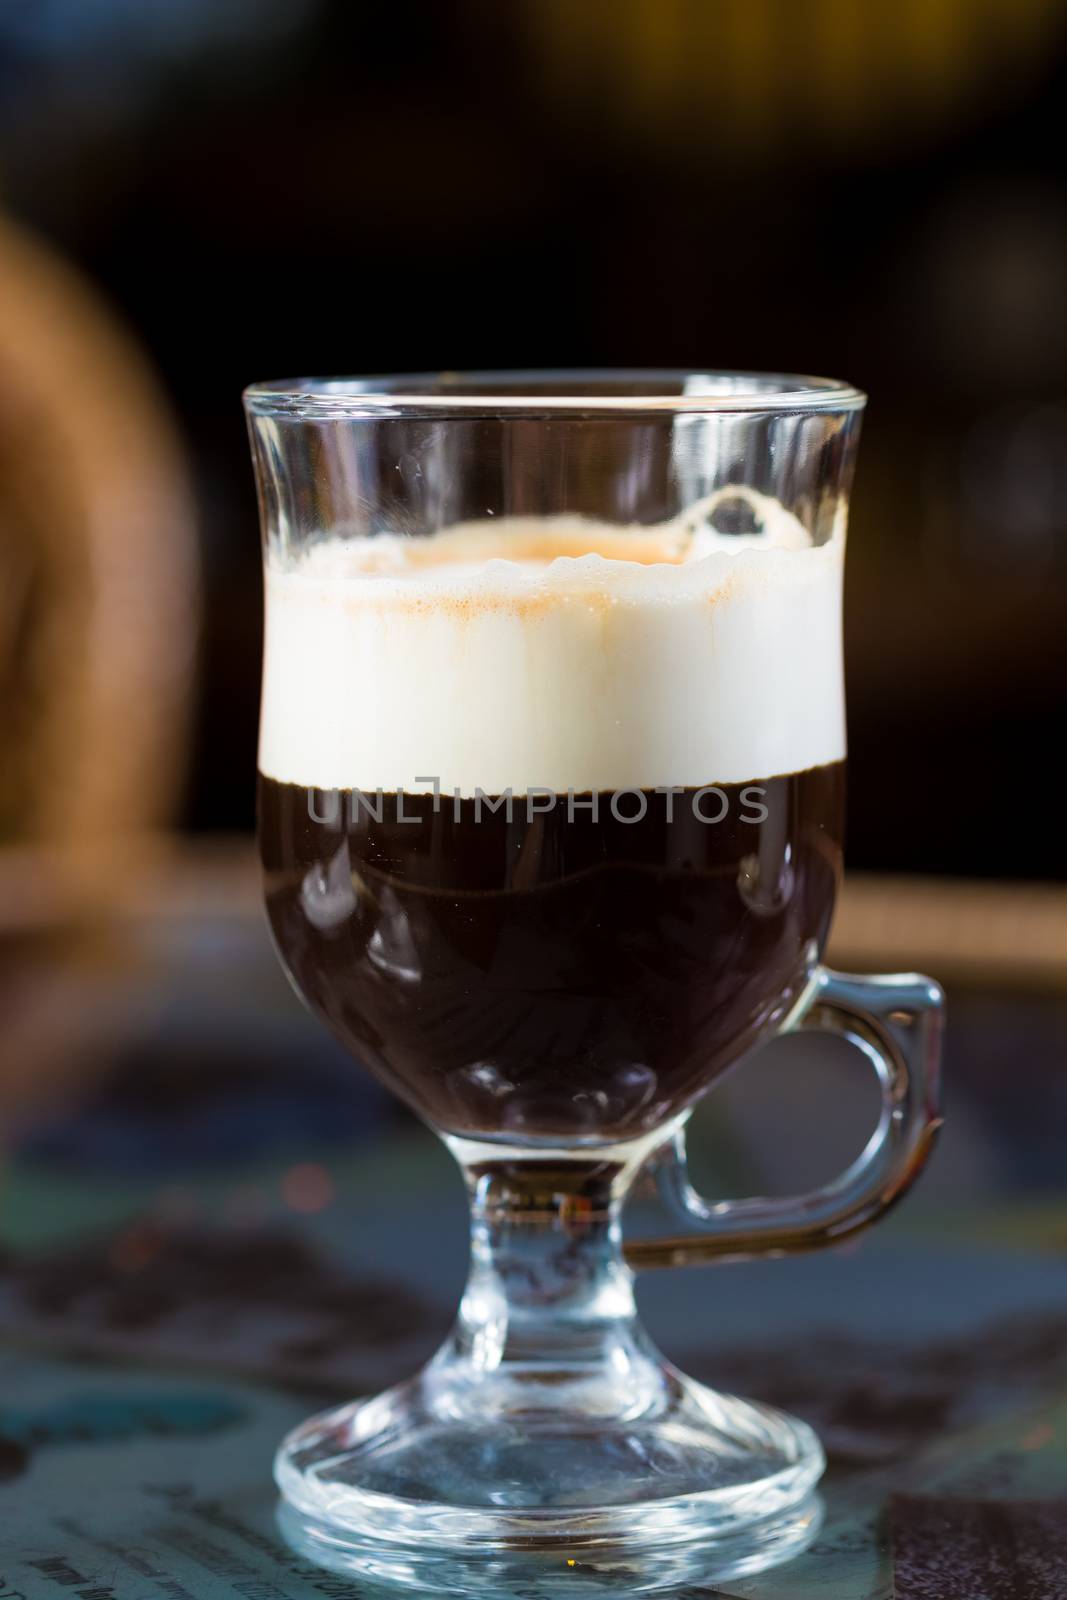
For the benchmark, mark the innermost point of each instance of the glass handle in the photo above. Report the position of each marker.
(895, 1022)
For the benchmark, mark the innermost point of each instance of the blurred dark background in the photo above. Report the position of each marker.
(262, 188)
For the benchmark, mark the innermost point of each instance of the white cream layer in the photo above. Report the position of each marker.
(501, 655)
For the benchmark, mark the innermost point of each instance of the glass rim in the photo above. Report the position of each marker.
(564, 391)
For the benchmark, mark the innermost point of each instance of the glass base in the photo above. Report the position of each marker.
(455, 1480)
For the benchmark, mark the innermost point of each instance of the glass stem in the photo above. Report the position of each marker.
(549, 1298)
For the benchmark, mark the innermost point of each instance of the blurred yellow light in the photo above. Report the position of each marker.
(753, 74)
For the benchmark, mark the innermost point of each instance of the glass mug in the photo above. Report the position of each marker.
(550, 806)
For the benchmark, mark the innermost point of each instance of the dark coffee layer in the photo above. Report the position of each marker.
(555, 975)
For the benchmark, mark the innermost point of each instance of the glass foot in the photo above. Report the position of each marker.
(444, 1485)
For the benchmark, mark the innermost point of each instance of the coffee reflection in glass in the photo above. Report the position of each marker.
(551, 791)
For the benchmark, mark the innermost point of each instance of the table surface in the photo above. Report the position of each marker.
(212, 1224)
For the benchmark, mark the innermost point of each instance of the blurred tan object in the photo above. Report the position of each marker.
(754, 75)
(98, 569)
(996, 935)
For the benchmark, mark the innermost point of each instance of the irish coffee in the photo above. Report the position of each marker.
(550, 813)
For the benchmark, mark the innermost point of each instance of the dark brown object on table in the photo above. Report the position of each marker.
(978, 1549)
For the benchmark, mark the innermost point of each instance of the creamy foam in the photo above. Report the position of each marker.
(555, 653)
